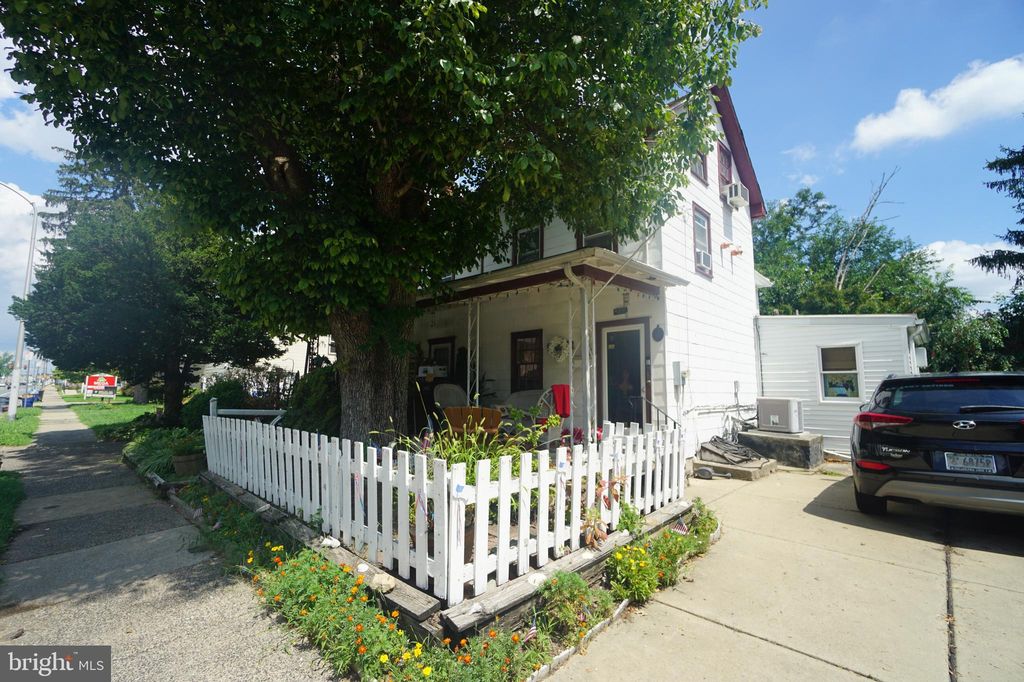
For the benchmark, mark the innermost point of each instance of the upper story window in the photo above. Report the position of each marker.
(699, 168)
(601, 240)
(702, 241)
(528, 245)
(840, 376)
(724, 165)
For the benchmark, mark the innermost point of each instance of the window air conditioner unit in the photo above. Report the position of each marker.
(783, 415)
(704, 260)
(737, 195)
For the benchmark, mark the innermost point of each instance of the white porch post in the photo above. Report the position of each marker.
(572, 358)
(473, 353)
(587, 340)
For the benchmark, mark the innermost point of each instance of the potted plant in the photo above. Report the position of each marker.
(188, 456)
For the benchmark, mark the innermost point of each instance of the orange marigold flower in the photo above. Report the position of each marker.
(312, 597)
(354, 590)
(394, 614)
(277, 597)
(463, 641)
(515, 638)
(349, 600)
(492, 634)
(359, 640)
(361, 650)
(508, 660)
(486, 645)
(303, 612)
(467, 659)
(391, 627)
(359, 627)
(259, 592)
(255, 578)
(363, 598)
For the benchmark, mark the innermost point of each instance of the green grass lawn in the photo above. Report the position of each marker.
(11, 493)
(106, 419)
(19, 432)
(77, 398)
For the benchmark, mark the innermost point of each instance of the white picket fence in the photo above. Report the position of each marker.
(412, 514)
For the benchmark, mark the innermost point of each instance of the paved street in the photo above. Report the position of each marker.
(100, 559)
(803, 587)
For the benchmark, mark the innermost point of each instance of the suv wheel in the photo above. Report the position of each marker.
(869, 504)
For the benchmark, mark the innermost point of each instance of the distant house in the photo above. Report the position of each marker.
(833, 363)
(660, 330)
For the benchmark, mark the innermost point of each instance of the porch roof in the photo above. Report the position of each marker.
(597, 264)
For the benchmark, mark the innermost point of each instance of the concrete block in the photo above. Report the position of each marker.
(804, 450)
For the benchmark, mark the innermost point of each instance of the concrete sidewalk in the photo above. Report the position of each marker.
(99, 559)
(804, 587)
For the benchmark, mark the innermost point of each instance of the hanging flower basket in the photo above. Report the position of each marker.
(559, 348)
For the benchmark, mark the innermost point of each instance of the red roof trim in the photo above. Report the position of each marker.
(738, 147)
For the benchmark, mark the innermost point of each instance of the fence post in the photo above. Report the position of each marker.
(213, 407)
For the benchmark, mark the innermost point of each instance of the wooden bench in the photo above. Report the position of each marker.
(471, 419)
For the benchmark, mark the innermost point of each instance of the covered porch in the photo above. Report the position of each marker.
(591, 320)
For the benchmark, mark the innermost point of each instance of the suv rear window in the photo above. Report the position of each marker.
(948, 396)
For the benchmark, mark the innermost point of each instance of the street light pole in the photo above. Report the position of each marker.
(12, 402)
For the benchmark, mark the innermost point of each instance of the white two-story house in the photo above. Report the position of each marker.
(660, 331)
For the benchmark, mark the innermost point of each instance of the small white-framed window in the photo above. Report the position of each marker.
(702, 241)
(840, 372)
(603, 240)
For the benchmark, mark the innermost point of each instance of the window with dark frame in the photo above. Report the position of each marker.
(527, 360)
(702, 241)
(601, 240)
(699, 168)
(724, 165)
(528, 245)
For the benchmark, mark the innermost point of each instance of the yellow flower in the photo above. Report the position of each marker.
(249, 560)
(406, 655)
(383, 658)
(266, 544)
(618, 555)
(427, 670)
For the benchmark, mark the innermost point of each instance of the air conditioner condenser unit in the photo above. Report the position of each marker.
(782, 415)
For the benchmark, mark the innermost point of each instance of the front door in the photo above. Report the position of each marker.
(623, 375)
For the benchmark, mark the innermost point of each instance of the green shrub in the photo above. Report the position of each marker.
(230, 394)
(315, 404)
(153, 451)
(630, 520)
(569, 606)
(631, 573)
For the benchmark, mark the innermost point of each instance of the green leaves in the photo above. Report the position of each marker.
(352, 156)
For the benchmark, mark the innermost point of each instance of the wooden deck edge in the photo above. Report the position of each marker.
(511, 600)
(417, 605)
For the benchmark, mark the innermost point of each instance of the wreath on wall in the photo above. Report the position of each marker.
(559, 348)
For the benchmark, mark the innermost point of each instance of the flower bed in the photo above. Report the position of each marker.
(335, 608)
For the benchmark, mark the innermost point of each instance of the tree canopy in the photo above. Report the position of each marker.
(121, 287)
(354, 154)
(1010, 261)
(821, 262)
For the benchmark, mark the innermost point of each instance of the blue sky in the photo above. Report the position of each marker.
(822, 66)
(819, 98)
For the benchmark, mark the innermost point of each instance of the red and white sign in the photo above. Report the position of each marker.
(100, 384)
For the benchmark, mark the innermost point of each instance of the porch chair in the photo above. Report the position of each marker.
(464, 419)
(450, 395)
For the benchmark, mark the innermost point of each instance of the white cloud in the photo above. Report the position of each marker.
(22, 128)
(15, 229)
(802, 152)
(804, 179)
(957, 253)
(983, 92)
(25, 132)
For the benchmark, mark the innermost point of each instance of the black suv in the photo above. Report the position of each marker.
(954, 440)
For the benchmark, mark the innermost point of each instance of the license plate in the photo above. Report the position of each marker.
(972, 464)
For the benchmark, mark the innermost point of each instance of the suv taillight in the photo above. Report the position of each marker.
(874, 420)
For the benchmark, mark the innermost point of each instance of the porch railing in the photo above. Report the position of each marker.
(444, 528)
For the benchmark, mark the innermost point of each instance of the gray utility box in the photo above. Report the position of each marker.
(781, 415)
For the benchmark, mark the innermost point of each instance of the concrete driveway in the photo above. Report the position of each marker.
(804, 587)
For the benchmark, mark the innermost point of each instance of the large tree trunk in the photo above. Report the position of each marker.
(373, 376)
(174, 392)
